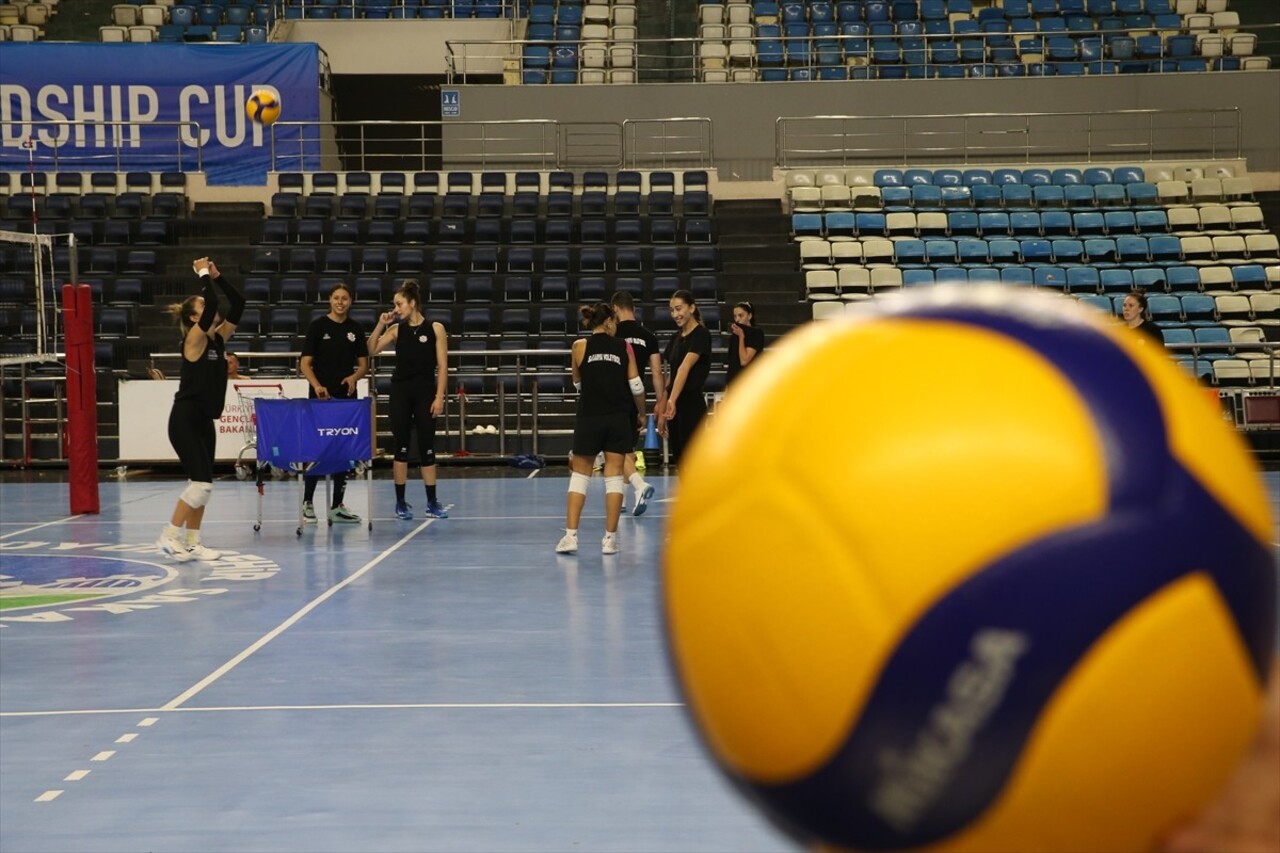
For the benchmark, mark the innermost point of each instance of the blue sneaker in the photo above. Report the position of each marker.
(404, 511)
(642, 500)
(435, 509)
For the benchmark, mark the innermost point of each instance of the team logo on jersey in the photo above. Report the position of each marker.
(45, 582)
(422, 339)
(326, 337)
(351, 336)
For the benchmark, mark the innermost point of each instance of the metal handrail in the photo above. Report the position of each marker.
(508, 144)
(1270, 348)
(852, 140)
(53, 134)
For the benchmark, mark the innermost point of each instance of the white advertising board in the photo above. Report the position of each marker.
(144, 416)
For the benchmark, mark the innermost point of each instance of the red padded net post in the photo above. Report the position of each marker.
(82, 398)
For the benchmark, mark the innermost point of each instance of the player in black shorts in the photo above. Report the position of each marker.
(610, 394)
(202, 392)
(644, 344)
(334, 358)
(417, 389)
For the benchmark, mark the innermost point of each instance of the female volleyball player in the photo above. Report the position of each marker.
(417, 389)
(688, 363)
(746, 342)
(202, 391)
(334, 358)
(644, 346)
(610, 394)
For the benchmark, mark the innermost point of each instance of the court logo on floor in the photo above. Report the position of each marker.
(46, 582)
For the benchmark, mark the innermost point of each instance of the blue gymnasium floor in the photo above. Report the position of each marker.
(442, 686)
(448, 685)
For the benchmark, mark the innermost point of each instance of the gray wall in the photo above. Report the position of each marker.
(744, 114)
(404, 47)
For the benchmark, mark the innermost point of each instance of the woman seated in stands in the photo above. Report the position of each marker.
(1134, 312)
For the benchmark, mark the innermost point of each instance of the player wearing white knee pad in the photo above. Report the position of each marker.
(202, 391)
(609, 396)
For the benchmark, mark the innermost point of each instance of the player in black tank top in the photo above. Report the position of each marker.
(645, 346)
(202, 392)
(609, 396)
(418, 386)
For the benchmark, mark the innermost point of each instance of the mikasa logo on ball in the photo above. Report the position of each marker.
(911, 782)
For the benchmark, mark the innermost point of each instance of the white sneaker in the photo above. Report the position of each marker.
(491, 430)
(609, 544)
(308, 513)
(642, 499)
(198, 551)
(173, 549)
(568, 543)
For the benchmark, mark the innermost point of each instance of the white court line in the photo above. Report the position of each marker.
(394, 706)
(177, 701)
(47, 796)
(37, 527)
(76, 775)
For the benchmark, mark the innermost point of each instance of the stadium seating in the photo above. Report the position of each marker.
(1205, 270)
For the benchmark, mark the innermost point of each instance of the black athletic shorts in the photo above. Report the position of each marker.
(594, 434)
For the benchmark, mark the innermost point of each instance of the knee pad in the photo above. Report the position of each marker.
(196, 494)
(428, 458)
(613, 485)
(401, 454)
(578, 482)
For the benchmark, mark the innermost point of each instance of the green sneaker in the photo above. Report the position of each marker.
(308, 513)
(341, 515)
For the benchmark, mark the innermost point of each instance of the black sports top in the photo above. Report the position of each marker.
(415, 352)
(605, 390)
(204, 381)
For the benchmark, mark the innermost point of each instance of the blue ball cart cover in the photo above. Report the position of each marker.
(315, 437)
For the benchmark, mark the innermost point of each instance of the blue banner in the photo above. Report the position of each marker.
(333, 434)
(149, 107)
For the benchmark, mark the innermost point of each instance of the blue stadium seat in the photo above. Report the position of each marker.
(1049, 276)
(1117, 280)
(973, 252)
(1035, 252)
(1016, 195)
(1165, 309)
(1119, 222)
(1019, 276)
(963, 223)
(1083, 279)
(994, 224)
(1089, 223)
(1068, 251)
